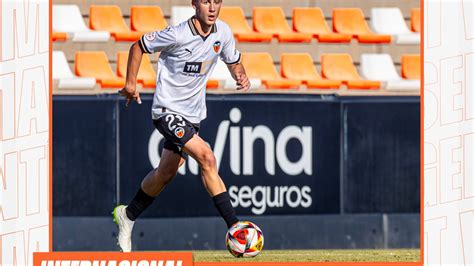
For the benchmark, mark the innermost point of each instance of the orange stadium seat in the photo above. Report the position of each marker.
(415, 19)
(109, 18)
(301, 67)
(212, 84)
(340, 67)
(352, 21)
(234, 16)
(147, 18)
(411, 66)
(146, 74)
(59, 36)
(272, 20)
(311, 20)
(260, 65)
(96, 65)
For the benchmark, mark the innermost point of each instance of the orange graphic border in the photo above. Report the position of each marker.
(185, 257)
(95, 254)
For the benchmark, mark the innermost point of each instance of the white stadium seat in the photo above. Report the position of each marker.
(221, 73)
(67, 80)
(181, 13)
(68, 18)
(389, 20)
(381, 67)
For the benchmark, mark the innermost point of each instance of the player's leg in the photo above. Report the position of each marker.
(157, 179)
(154, 182)
(200, 151)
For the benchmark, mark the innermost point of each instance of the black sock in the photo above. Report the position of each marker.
(223, 205)
(140, 202)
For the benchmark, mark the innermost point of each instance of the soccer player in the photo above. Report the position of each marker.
(189, 52)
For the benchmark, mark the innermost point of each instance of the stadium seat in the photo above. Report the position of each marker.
(59, 36)
(181, 13)
(389, 20)
(64, 75)
(212, 84)
(109, 18)
(311, 20)
(68, 18)
(340, 67)
(381, 67)
(260, 66)
(301, 67)
(234, 16)
(415, 19)
(272, 20)
(222, 74)
(147, 18)
(96, 65)
(411, 66)
(146, 74)
(352, 21)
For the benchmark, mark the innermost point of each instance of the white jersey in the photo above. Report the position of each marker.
(185, 64)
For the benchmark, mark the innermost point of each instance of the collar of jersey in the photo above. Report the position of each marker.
(195, 32)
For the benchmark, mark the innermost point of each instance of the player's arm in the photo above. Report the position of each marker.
(232, 57)
(134, 59)
(237, 71)
(149, 43)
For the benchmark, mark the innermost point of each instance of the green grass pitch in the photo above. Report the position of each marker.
(372, 255)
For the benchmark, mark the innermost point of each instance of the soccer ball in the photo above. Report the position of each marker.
(244, 239)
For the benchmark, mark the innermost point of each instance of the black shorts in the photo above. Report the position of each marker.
(176, 130)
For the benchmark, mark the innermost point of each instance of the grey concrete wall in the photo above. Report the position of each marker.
(361, 231)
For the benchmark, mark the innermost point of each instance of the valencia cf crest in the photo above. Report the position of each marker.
(151, 36)
(217, 46)
(179, 132)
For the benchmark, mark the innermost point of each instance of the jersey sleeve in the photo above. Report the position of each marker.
(230, 55)
(158, 41)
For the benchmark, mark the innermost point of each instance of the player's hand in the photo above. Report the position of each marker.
(243, 82)
(131, 94)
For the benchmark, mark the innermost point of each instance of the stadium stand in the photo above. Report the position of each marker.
(212, 84)
(221, 73)
(147, 18)
(387, 20)
(287, 6)
(146, 73)
(317, 22)
(63, 74)
(381, 67)
(341, 67)
(312, 21)
(260, 65)
(234, 16)
(415, 20)
(96, 65)
(109, 18)
(272, 20)
(181, 13)
(411, 66)
(68, 18)
(352, 21)
(301, 67)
